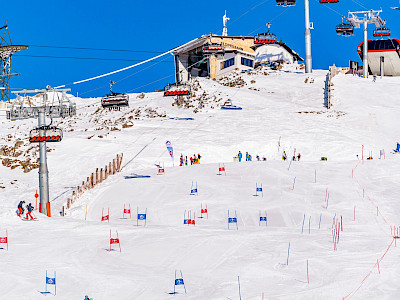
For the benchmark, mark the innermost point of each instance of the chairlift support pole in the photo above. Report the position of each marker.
(357, 18)
(365, 54)
(43, 170)
(18, 111)
(307, 36)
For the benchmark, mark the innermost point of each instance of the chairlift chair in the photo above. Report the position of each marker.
(345, 29)
(45, 134)
(265, 38)
(212, 48)
(381, 32)
(115, 101)
(177, 89)
(285, 3)
(328, 1)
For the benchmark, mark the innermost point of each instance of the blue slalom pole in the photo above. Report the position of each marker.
(240, 296)
(287, 260)
(302, 227)
(294, 181)
(290, 164)
(319, 225)
(309, 225)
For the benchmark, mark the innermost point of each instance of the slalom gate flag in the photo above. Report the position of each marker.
(170, 149)
(232, 220)
(114, 241)
(141, 216)
(263, 219)
(179, 281)
(50, 280)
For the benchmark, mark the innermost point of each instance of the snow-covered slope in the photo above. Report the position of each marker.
(277, 106)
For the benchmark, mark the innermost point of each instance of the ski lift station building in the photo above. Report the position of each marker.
(215, 55)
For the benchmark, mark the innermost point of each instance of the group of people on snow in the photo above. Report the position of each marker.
(21, 209)
(248, 157)
(195, 159)
(294, 157)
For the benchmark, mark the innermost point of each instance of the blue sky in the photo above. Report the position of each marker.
(155, 27)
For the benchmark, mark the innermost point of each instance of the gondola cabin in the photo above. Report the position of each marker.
(285, 3)
(177, 90)
(265, 38)
(45, 134)
(115, 101)
(381, 32)
(345, 29)
(328, 1)
(383, 56)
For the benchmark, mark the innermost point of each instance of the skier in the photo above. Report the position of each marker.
(198, 158)
(247, 156)
(374, 78)
(240, 156)
(20, 208)
(284, 156)
(257, 157)
(181, 161)
(298, 157)
(30, 209)
(191, 160)
(87, 298)
(185, 160)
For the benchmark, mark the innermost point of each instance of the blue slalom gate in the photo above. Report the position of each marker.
(50, 281)
(232, 220)
(263, 219)
(259, 189)
(179, 281)
(141, 217)
(193, 189)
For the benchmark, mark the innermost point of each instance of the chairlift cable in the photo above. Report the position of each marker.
(80, 58)
(329, 7)
(270, 21)
(126, 76)
(95, 49)
(357, 2)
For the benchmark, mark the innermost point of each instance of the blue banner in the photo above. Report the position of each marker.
(141, 216)
(50, 280)
(263, 219)
(259, 189)
(232, 220)
(179, 281)
(186, 221)
(193, 191)
(169, 148)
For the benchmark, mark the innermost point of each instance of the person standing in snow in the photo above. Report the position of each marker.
(181, 160)
(30, 209)
(21, 208)
(247, 156)
(298, 157)
(258, 157)
(198, 158)
(284, 156)
(191, 160)
(240, 156)
(185, 160)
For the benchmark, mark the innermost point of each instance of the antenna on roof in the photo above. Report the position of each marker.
(225, 20)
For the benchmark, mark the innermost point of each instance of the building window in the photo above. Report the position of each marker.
(227, 63)
(247, 62)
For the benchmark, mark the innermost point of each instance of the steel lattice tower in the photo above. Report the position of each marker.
(7, 49)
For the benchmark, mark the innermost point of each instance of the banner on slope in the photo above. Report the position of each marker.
(170, 150)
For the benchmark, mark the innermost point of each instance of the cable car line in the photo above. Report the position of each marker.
(82, 58)
(125, 77)
(95, 49)
(274, 18)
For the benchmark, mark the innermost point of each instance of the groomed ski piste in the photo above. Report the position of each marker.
(305, 200)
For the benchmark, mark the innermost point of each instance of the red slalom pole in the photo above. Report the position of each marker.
(377, 211)
(379, 271)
